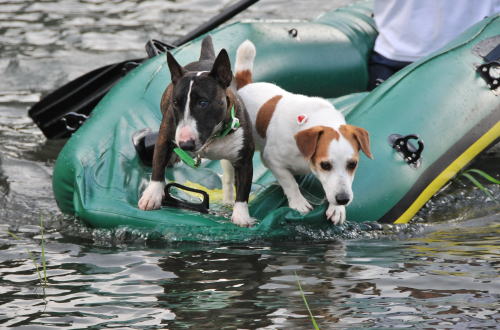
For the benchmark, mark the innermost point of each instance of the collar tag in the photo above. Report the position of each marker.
(301, 119)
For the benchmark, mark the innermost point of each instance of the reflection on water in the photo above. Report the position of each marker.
(429, 281)
(436, 276)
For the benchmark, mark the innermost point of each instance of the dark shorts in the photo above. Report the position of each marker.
(380, 68)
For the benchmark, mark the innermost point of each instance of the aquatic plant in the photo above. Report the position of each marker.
(41, 269)
(468, 174)
(313, 320)
(43, 259)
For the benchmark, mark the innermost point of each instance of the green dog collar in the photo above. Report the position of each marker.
(235, 123)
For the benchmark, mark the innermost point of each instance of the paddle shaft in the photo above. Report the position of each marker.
(217, 20)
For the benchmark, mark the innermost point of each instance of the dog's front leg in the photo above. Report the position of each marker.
(243, 176)
(336, 213)
(227, 181)
(295, 199)
(153, 195)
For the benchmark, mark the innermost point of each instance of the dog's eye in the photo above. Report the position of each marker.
(175, 102)
(326, 166)
(203, 103)
(351, 165)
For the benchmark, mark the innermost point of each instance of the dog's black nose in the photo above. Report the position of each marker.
(342, 199)
(187, 145)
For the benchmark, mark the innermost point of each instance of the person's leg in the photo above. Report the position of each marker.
(380, 68)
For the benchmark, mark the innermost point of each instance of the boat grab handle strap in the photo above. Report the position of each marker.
(171, 201)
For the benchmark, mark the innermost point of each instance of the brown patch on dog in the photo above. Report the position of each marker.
(352, 168)
(243, 78)
(324, 141)
(307, 140)
(265, 114)
(313, 142)
(166, 98)
(358, 137)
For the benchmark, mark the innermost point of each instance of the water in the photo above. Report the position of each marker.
(440, 272)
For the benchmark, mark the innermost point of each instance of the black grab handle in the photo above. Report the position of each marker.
(170, 200)
(489, 70)
(411, 154)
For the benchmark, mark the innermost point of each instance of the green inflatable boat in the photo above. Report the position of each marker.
(426, 123)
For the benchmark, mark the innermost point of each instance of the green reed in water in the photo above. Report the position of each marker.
(44, 260)
(468, 174)
(313, 320)
(42, 274)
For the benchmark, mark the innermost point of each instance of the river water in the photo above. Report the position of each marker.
(442, 271)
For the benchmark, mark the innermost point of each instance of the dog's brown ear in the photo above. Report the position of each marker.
(176, 70)
(358, 136)
(307, 140)
(221, 70)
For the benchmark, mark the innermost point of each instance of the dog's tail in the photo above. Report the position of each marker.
(243, 68)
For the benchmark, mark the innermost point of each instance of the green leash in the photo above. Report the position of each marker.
(195, 162)
(186, 158)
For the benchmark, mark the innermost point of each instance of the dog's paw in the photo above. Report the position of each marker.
(243, 221)
(228, 197)
(152, 196)
(240, 216)
(300, 204)
(336, 214)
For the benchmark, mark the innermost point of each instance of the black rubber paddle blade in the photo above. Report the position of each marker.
(52, 113)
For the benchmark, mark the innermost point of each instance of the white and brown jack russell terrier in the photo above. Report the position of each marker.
(297, 134)
(200, 108)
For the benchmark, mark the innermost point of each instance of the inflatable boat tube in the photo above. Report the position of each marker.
(99, 177)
